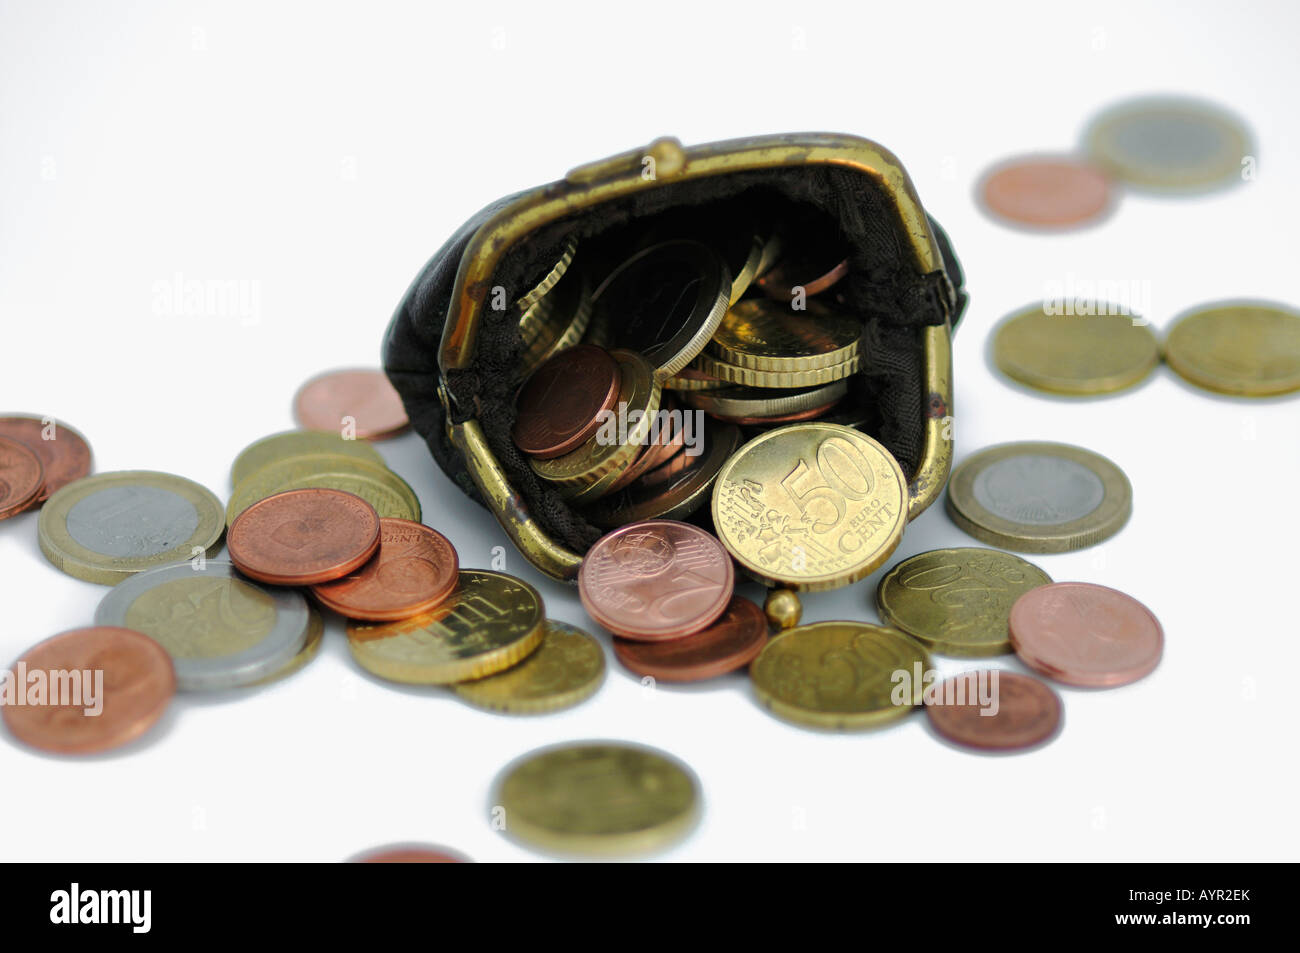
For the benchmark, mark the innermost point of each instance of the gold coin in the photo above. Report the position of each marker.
(761, 402)
(309, 650)
(379, 486)
(566, 312)
(748, 270)
(597, 798)
(1075, 354)
(550, 280)
(298, 443)
(565, 669)
(109, 526)
(489, 623)
(586, 473)
(768, 335)
(811, 506)
(751, 377)
(956, 601)
(1251, 350)
(1039, 497)
(840, 675)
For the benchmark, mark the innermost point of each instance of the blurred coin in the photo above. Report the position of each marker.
(771, 336)
(731, 642)
(310, 648)
(64, 453)
(750, 377)
(666, 439)
(956, 601)
(379, 486)
(409, 854)
(1169, 144)
(1075, 354)
(359, 400)
(745, 404)
(221, 630)
(1039, 497)
(489, 623)
(840, 675)
(1046, 192)
(565, 669)
(811, 262)
(106, 527)
(744, 257)
(664, 303)
(550, 279)
(597, 798)
(1084, 634)
(1251, 350)
(298, 443)
(303, 537)
(810, 506)
(562, 404)
(994, 710)
(21, 476)
(563, 318)
(658, 579)
(414, 570)
(121, 683)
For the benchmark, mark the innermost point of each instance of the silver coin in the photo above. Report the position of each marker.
(1038, 489)
(221, 630)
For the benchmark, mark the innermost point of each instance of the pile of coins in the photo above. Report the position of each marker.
(38, 457)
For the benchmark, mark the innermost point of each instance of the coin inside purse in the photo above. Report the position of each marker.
(818, 212)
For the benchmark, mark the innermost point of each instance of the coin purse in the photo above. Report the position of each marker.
(453, 346)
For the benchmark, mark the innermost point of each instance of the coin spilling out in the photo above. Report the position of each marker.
(810, 506)
(304, 537)
(956, 601)
(664, 303)
(1250, 350)
(994, 710)
(1075, 354)
(731, 642)
(1046, 192)
(1080, 633)
(410, 854)
(298, 443)
(221, 630)
(561, 405)
(22, 475)
(123, 683)
(65, 454)
(567, 667)
(658, 579)
(1170, 144)
(106, 527)
(1039, 497)
(414, 570)
(840, 675)
(379, 486)
(771, 336)
(489, 623)
(358, 401)
(598, 798)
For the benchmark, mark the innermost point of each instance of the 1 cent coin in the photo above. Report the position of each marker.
(1084, 634)
(303, 537)
(657, 579)
(64, 452)
(994, 710)
(731, 642)
(137, 685)
(415, 568)
(21, 476)
(562, 403)
(1046, 192)
(360, 399)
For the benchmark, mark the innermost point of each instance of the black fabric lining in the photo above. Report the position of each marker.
(883, 285)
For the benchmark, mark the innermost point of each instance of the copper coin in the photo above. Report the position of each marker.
(415, 569)
(1083, 634)
(731, 642)
(302, 537)
(671, 439)
(813, 263)
(1047, 192)
(21, 476)
(562, 403)
(409, 854)
(123, 675)
(674, 466)
(64, 453)
(361, 401)
(657, 579)
(994, 709)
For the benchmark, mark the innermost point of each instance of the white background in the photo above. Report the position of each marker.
(323, 151)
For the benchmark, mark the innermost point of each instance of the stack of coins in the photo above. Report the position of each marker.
(687, 348)
(38, 457)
